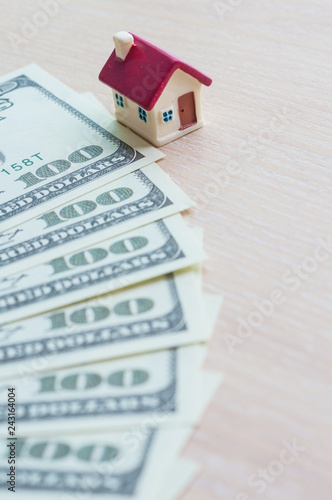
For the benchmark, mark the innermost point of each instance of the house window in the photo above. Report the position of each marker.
(167, 116)
(142, 114)
(119, 100)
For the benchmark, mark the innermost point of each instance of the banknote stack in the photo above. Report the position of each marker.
(103, 324)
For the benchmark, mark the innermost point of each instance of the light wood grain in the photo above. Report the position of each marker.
(269, 203)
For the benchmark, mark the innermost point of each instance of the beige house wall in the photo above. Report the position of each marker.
(155, 130)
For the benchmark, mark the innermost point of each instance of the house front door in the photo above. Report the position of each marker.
(187, 110)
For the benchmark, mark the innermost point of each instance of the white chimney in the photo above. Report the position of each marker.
(123, 42)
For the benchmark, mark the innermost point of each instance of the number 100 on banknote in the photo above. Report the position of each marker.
(51, 151)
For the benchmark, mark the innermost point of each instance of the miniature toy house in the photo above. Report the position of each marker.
(155, 94)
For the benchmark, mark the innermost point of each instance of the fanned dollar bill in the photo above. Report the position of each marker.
(116, 393)
(134, 200)
(111, 466)
(51, 151)
(94, 303)
(158, 248)
(155, 315)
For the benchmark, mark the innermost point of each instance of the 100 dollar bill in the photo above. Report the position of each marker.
(111, 466)
(51, 151)
(157, 314)
(144, 253)
(134, 200)
(109, 394)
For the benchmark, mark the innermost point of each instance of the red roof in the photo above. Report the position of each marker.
(145, 72)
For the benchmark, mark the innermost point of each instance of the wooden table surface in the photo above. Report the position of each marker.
(260, 173)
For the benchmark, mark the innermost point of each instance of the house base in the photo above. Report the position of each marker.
(159, 141)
